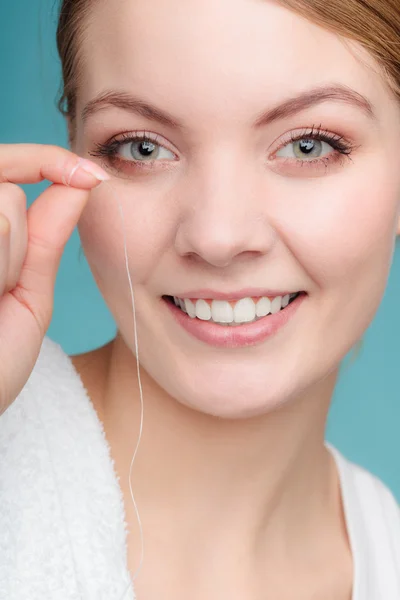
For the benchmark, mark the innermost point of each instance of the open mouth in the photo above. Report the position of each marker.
(233, 313)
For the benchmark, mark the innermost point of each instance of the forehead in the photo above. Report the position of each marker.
(213, 56)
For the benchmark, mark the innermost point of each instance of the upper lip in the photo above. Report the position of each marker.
(206, 294)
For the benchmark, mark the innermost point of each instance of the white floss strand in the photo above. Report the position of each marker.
(68, 183)
(76, 167)
(139, 382)
(138, 371)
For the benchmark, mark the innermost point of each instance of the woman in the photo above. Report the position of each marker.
(254, 149)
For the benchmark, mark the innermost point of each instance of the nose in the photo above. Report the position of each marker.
(224, 217)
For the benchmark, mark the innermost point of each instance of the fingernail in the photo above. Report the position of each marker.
(93, 169)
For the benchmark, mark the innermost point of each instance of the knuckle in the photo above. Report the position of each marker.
(42, 245)
(5, 224)
(12, 191)
(40, 309)
(14, 271)
(19, 197)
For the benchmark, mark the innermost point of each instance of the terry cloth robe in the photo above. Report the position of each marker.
(63, 534)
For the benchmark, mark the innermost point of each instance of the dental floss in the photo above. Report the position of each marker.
(140, 386)
(68, 183)
(76, 167)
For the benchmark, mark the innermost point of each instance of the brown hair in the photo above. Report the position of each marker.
(375, 24)
(71, 30)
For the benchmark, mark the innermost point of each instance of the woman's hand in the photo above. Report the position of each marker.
(31, 245)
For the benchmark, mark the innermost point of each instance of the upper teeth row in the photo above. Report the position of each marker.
(244, 310)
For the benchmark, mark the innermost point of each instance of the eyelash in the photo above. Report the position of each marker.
(110, 149)
(343, 148)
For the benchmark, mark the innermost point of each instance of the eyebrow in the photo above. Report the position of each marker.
(288, 108)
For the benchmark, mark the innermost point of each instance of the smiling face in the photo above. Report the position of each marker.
(223, 201)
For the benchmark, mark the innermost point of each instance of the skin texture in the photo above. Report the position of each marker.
(232, 475)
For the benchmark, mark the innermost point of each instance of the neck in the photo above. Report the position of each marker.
(240, 477)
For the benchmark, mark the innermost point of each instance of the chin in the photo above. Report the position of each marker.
(230, 395)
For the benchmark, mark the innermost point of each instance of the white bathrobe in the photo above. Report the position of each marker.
(62, 522)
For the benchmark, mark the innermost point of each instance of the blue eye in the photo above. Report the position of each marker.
(133, 150)
(315, 145)
(306, 149)
(142, 149)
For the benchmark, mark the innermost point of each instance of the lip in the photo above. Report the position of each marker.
(235, 337)
(209, 294)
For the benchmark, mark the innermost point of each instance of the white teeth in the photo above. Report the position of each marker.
(276, 305)
(221, 312)
(244, 311)
(285, 300)
(263, 307)
(190, 308)
(203, 310)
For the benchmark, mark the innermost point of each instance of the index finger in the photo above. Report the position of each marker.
(32, 163)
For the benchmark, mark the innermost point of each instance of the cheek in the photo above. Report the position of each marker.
(345, 233)
(147, 231)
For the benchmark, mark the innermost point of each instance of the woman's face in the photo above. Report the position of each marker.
(222, 204)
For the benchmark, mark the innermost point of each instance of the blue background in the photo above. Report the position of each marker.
(365, 414)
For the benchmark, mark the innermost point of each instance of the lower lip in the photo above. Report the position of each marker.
(247, 334)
